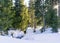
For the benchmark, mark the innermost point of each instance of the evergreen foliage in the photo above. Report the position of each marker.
(21, 17)
(6, 14)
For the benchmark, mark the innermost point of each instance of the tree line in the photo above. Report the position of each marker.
(19, 16)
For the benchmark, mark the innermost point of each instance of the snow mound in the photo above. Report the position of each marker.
(48, 30)
(29, 30)
(15, 33)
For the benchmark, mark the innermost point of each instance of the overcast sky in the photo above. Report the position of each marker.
(26, 2)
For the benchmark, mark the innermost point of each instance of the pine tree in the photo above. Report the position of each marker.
(40, 12)
(58, 3)
(31, 13)
(44, 9)
(17, 17)
(21, 15)
(6, 14)
(25, 18)
(51, 16)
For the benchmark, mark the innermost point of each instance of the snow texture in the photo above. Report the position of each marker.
(15, 33)
(33, 38)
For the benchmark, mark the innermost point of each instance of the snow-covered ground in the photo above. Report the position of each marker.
(15, 33)
(5, 39)
(31, 37)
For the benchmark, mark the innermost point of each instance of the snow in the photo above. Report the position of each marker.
(10, 32)
(29, 30)
(15, 33)
(37, 31)
(18, 34)
(48, 30)
(44, 38)
(38, 28)
(31, 37)
(34, 38)
(58, 30)
(4, 39)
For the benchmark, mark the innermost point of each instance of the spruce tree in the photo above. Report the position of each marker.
(17, 17)
(6, 14)
(21, 15)
(25, 18)
(51, 15)
(31, 13)
(44, 9)
(40, 13)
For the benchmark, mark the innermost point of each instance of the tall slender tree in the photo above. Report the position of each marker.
(44, 9)
(25, 18)
(40, 12)
(6, 14)
(17, 16)
(51, 15)
(21, 15)
(31, 12)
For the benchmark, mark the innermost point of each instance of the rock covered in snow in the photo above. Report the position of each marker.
(19, 34)
(15, 33)
(29, 30)
(38, 31)
(29, 37)
(11, 32)
(48, 30)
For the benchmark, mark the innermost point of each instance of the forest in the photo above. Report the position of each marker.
(18, 16)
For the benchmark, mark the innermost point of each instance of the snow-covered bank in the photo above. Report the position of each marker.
(33, 38)
(4, 39)
(43, 36)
